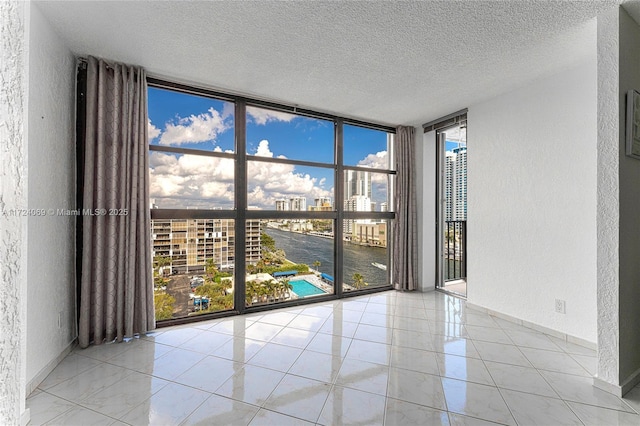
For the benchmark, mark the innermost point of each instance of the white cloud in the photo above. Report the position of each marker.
(194, 129)
(263, 116)
(152, 131)
(207, 182)
(263, 149)
(189, 181)
(378, 160)
(271, 181)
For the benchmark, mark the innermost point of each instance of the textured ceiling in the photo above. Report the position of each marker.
(388, 62)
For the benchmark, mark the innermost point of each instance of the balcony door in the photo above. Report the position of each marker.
(452, 207)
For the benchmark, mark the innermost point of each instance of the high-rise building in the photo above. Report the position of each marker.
(357, 195)
(357, 183)
(189, 243)
(322, 204)
(455, 184)
(384, 207)
(355, 203)
(358, 203)
(298, 204)
(282, 205)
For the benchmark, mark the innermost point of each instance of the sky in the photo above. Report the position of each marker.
(191, 181)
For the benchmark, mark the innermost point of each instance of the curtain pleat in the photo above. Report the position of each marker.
(405, 245)
(116, 295)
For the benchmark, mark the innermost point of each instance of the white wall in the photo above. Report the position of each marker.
(14, 16)
(629, 208)
(608, 205)
(532, 201)
(425, 189)
(51, 174)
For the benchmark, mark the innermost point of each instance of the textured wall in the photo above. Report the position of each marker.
(532, 201)
(608, 196)
(51, 238)
(12, 196)
(629, 208)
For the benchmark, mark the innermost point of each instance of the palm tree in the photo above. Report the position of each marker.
(251, 292)
(286, 288)
(211, 270)
(316, 265)
(358, 281)
(161, 262)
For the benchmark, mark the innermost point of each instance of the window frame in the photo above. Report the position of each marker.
(240, 213)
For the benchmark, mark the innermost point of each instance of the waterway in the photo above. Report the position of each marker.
(302, 248)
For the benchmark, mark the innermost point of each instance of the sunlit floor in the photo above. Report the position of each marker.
(457, 286)
(390, 358)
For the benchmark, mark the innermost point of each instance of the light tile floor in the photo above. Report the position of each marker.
(390, 358)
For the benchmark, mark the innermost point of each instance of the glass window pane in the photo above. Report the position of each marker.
(189, 121)
(292, 264)
(180, 181)
(367, 148)
(366, 258)
(279, 134)
(274, 186)
(193, 264)
(367, 192)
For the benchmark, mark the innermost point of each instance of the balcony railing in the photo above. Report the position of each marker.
(455, 250)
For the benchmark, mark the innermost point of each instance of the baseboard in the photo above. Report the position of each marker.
(542, 329)
(42, 374)
(25, 417)
(631, 382)
(607, 387)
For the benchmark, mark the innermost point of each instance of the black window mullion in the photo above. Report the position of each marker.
(339, 204)
(241, 206)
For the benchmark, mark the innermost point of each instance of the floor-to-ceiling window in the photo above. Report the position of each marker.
(451, 201)
(309, 194)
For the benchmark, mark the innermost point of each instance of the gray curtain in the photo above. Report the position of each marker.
(405, 247)
(116, 293)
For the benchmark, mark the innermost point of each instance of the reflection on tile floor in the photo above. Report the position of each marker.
(390, 358)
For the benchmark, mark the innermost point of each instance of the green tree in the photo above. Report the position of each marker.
(286, 288)
(358, 281)
(160, 262)
(210, 269)
(213, 289)
(159, 282)
(163, 305)
(251, 292)
(267, 242)
(316, 265)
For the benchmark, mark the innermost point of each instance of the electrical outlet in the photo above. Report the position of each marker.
(561, 306)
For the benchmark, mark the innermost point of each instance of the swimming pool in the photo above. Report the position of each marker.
(304, 288)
